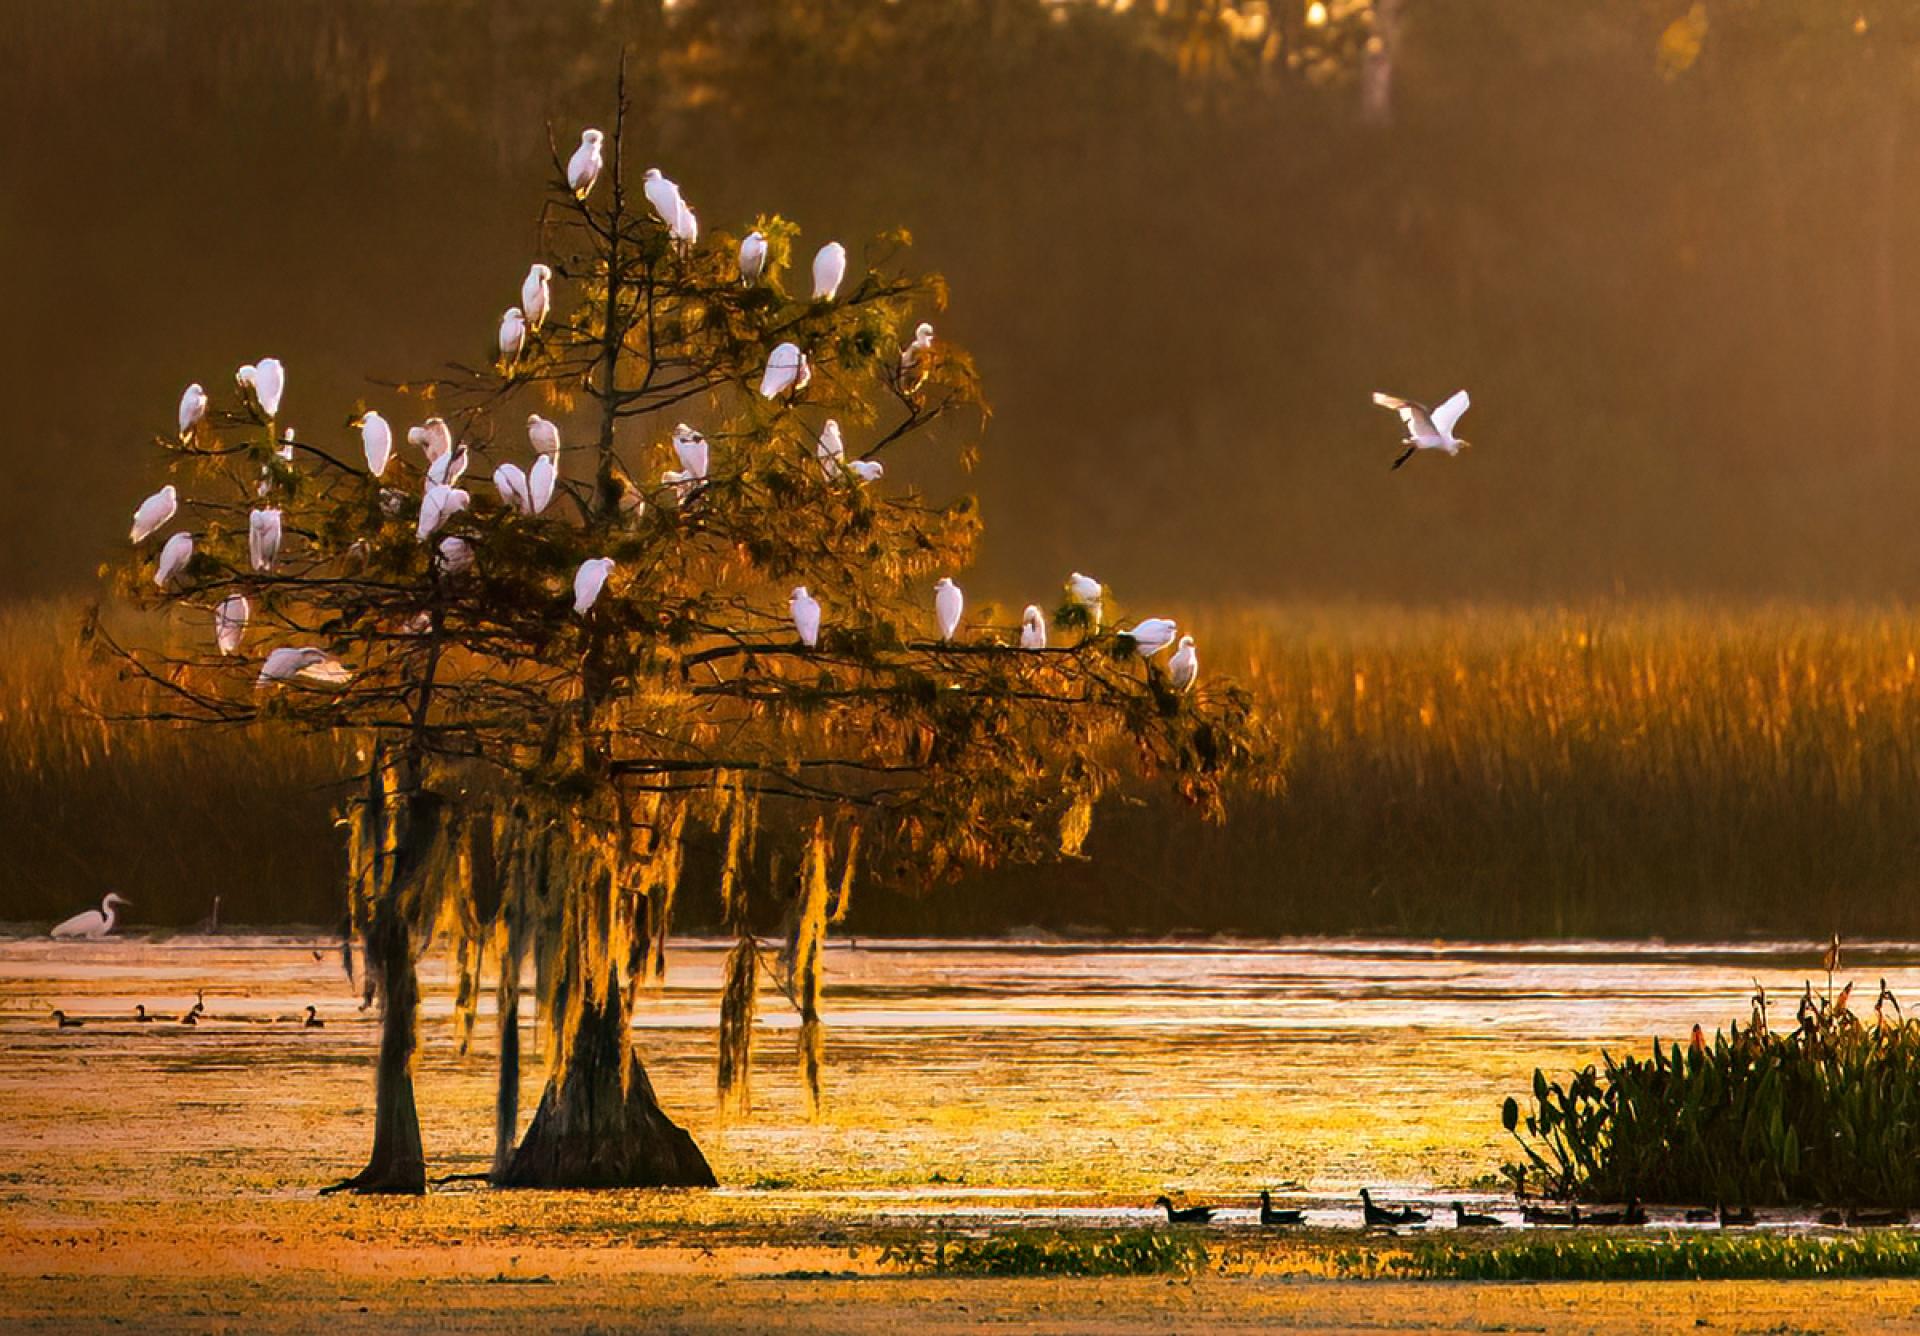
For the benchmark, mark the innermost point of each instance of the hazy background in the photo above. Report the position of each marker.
(1670, 248)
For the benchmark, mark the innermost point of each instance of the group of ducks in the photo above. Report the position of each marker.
(191, 1016)
(1377, 1216)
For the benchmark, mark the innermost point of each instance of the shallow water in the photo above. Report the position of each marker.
(971, 1082)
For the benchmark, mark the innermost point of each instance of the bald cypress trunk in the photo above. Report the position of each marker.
(398, 1164)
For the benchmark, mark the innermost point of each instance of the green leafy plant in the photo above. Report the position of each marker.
(1133, 1252)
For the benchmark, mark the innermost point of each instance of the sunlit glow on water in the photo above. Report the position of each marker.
(966, 1080)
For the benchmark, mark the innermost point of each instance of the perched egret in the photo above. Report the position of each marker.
(806, 615)
(867, 470)
(304, 661)
(513, 336)
(663, 195)
(1427, 429)
(268, 381)
(832, 450)
(263, 538)
(536, 296)
(376, 440)
(1184, 666)
(540, 480)
(510, 480)
(753, 258)
(1151, 636)
(542, 435)
(915, 357)
(1033, 628)
(155, 511)
(193, 407)
(174, 556)
(787, 370)
(230, 622)
(679, 484)
(829, 268)
(691, 446)
(948, 602)
(589, 580)
(456, 555)
(438, 505)
(93, 923)
(450, 467)
(583, 168)
(433, 436)
(1089, 594)
(686, 228)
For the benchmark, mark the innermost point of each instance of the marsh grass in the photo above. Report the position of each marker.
(1677, 770)
(1133, 1252)
(1873, 1253)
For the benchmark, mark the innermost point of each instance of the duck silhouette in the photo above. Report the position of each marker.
(1184, 1215)
(66, 1022)
(1544, 1215)
(1390, 1215)
(1270, 1216)
(1465, 1219)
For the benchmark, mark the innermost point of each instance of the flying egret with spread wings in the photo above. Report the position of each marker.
(806, 615)
(1427, 429)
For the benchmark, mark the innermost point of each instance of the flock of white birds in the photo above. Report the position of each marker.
(530, 490)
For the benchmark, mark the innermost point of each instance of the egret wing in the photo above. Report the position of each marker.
(1445, 416)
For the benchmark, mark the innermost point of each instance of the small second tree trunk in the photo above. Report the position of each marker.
(397, 1164)
(599, 1124)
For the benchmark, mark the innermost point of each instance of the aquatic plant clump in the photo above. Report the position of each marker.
(1827, 1111)
(1133, 1252)
(1878, 1253)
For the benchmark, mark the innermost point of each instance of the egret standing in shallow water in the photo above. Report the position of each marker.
(536, 297)
(1184, 666)
(583, 168)
(155, 511)
(753, 258)
(193, 407)
(829, 268)
(806, 615)
(93, 924)
(1427, 429)
(1033, 628)
(1151, 636)
(948, 603)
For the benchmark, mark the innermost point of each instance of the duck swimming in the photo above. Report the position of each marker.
(1390, 1215)
(1270, 1216)
(1465, 1219)
(1185, 1215)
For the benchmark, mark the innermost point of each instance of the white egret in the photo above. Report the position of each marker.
(433, 436)
(450, 467)
(1184, 666)
(753, 258)
(456, 555)
(268, 381)
(1427, 429)
(513, 336)
(536, 294)
(542, 435)
(948, 602)
(589, 580)
(304, 661)
(867, 470)
(829, 268)
(155, 511)
(787, 370)
(230, 622)
(915, 357)
(1151, 636)
(285, 449)
(263, 537)
(93, 923)
(806, 615)
(376, 441)
(193, 407)
(691, 446)
(174, 556)
(583, 168)
(510, 480)
(663, 195)
(1033, 628)
(438, 505)
(831, 450)
(679, 483)
(540, 480)
(1089, 594)
(686, 228)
